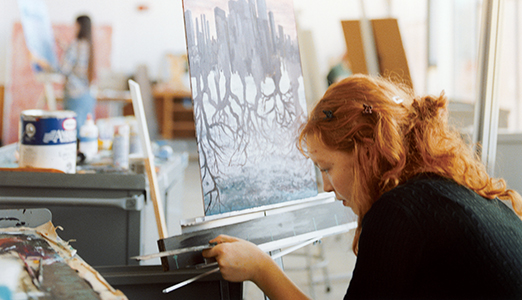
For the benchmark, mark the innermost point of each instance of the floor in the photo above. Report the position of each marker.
(339, 258)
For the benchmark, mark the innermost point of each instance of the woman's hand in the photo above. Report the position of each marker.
(238, 259)
(42, 63)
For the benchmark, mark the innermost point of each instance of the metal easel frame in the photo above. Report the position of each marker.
(487, 106)
(276, 228)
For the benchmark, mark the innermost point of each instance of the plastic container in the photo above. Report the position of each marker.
(134, 140)
(120, 147)
(89, 138)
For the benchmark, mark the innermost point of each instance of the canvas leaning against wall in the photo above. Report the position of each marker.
(249, 103)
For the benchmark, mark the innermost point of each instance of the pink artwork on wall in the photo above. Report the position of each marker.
(26, 92)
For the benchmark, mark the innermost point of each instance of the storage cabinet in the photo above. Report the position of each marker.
(175, 113)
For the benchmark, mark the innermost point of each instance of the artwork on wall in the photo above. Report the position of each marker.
(249, 102)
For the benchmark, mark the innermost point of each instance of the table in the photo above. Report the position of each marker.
(147, 282)
(107, 215)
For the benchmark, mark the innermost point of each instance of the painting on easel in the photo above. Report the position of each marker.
(249, 103)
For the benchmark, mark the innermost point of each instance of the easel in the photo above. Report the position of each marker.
(139, 112)
(48, 79)
(291, 226)
(273, 227)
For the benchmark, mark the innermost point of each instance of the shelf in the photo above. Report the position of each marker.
(180, 107)
(175, 117)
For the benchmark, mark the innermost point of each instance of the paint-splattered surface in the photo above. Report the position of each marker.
(48, 268)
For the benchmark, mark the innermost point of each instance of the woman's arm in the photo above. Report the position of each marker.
(42, 63)
(240, 260)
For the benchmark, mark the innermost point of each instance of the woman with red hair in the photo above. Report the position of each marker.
(431, 221)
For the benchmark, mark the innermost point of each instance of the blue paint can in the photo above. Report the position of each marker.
(48, 140)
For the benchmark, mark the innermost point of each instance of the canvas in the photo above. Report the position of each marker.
(249, 102)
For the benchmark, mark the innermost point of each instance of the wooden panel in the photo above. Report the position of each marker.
(354, 46)
(388, 42)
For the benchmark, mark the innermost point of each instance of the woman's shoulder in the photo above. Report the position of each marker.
(421, 197)
(425, 186)
(433, 197)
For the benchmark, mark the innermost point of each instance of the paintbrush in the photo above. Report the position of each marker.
(174, 252)
(34, 277)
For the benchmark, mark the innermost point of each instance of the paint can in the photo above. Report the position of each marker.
(48, 140)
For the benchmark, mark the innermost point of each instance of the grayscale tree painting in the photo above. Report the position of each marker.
(247, 88)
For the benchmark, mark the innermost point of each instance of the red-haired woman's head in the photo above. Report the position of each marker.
(367, 117)
(386, 135)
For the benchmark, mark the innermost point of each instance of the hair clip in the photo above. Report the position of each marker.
(367, 109)
(397, 99)
(329, 114)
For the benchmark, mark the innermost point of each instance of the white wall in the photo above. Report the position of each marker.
(324, 17)
(145, 36)
(508, 163)
(4, 28)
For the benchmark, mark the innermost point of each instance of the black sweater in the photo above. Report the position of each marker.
(431, 238)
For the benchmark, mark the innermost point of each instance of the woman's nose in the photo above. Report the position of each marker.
(327, 186)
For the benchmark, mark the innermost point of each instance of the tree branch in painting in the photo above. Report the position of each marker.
(247, 90)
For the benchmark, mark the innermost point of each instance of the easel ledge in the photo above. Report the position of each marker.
(279, 227)
(208, 222)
